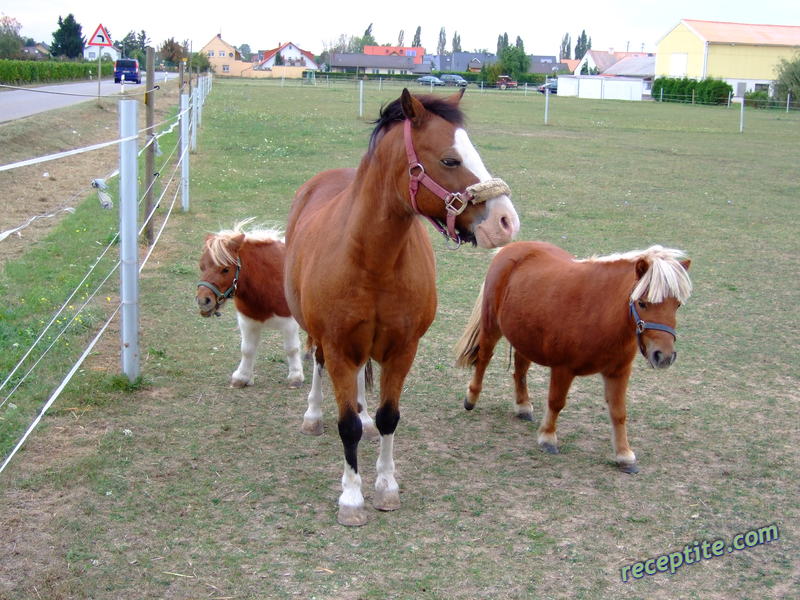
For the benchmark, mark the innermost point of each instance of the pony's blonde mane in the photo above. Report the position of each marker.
(666, 277)
(217, 245)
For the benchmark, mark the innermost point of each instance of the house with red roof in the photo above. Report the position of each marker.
(286, 55)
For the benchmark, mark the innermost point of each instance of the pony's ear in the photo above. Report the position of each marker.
(456, 98)
(685, 264)
(235, 243)
(412, 108)
(641, 268)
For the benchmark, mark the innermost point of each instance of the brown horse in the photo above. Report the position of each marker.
(248, 266)
(360, 275)
(578, 317)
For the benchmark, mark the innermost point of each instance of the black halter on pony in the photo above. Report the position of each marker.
(642, 326)
(220, 296)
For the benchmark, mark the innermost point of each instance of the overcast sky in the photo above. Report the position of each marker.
(313, 25)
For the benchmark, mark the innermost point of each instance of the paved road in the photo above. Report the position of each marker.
(15, 104)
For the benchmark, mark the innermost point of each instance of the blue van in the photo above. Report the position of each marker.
(128, 67)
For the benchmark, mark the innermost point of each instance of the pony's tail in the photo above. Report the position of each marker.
(467, 347)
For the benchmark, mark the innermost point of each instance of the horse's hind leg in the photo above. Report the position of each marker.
(250, 330)
(523, 407)
(486, 343)
(291, 345)
(560, 380)
(312, 419)
(615, 390)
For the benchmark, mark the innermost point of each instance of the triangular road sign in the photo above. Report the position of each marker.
(100, 37)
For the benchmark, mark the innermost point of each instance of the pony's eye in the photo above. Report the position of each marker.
(225, 270)
(451, 162)
(642, 304)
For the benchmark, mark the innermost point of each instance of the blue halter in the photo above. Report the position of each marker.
(642, 326)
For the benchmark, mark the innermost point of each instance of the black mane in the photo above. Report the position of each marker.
(393, 113)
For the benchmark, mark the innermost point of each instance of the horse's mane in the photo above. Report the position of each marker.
(666, 277)
(393, 113)
(218, 244)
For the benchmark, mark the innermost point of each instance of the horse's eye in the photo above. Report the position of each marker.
(225, 270)
(642, 304)
(451, 162)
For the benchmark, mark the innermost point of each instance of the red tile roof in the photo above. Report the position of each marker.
(270, 53)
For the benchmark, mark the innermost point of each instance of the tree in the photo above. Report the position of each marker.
(519, 44)
(10, 40)
(502, 43)
(788, 80)
(417, 41)
(513, 61)
(246, 52)
(400, 37)
(440, 47)
(68, 39)
(199, 62)
(368, 39)
(566, 47)
(582, 45)
(456, 42)
(142, 41)
(171, 52)
(128, 44)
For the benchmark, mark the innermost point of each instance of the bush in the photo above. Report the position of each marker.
(706, 91)
(17, 72)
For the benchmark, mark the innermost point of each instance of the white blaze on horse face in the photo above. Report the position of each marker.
(502, 222)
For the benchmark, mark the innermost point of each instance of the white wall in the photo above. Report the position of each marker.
(601, 88)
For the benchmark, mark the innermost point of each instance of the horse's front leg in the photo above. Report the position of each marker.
(560, 381)
(291, 345)
(615, 392)
(312, 419)
(250, 330)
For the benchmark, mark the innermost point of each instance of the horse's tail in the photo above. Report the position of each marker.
(467, 347)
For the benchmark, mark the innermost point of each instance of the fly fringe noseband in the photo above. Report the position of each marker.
(454, 202)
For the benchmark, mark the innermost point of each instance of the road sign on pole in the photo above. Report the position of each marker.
(100, 37)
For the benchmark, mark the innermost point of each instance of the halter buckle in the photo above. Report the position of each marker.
(640, 326)
(421, 171)
(455, 203)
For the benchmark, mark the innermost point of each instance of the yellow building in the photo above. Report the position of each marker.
(744, 55)
(226, 60)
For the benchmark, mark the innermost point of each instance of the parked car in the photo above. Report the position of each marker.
(453, 79)
(550, 85)
(505, 82)
(430, 80)
(129, 68)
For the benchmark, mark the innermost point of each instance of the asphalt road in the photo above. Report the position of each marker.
(15, 104)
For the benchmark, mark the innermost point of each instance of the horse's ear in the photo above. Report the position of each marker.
(641, 268)
(236, 242)
(685, 264)
(412, 108)
(456, 98)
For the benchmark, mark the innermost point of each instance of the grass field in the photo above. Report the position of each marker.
(185, 488)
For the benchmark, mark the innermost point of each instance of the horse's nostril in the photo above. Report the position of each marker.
(505, 224)
(657, 357)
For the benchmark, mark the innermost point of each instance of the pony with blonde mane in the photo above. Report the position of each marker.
(578, 317)
(248, 267)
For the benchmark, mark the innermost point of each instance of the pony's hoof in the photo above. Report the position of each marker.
(386, 500)
(240, 383)
(549, 448)
(525, 416)
(370, 432)
(630, 468)
(352, 516)
(468, 405)
(311, 427)
(294, 385)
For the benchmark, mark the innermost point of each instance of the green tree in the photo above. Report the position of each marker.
(788, 80)
(582, 45)
(10, 40)
(400, 37)
(566, 47)
(520, 44)
(171, 52)
(68, 39)
(502, 43)
(246, 52)
(456, 42)
(368, 39)
(442, 45)
(199, 62)
(417, 41)
(513, 61)
(142, 41)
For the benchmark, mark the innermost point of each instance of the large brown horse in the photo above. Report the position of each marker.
(248, 266)
(360, 275)
(578, 317)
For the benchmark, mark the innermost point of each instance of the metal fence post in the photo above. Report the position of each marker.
(184, 153)
(128, 232)
(193, 112)
(546, 104)
(741, 117)
(360, 98)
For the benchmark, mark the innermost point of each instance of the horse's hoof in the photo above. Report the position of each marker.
(630, 468)
(240, 383)
(370, 432)
(386, 500)
(311, 427)
(352, 516)
(294, 385)
(526, 416)
(468, 405)
(549, 448)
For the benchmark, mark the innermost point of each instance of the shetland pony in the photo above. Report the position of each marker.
(578, 317)
(360, 274)
(248, 266)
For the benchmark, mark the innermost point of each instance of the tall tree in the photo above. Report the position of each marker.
(401, 37)
(68, 39)
(142, 41)
(128, 44)
(442, 45)
(368, 39)
(788, 79)
(456, 42)
(417, 41)
(10, 39)
(582, 45)
(171, 52)
(566, 47)
(502, 43)
(513, 61)
(246, 52)
(519, 44)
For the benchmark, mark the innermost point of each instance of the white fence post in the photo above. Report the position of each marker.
(195, 102)
(546, 104)
(788, 101)
(128, 231)
(360, 98)
(184, 154)
(741, 117)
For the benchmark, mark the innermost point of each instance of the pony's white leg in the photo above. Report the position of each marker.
(291, 345)
(312, 419)
(250, 330)
(369, 431)
(387, 492)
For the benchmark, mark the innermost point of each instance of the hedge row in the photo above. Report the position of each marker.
(705, 91)
(16, 72)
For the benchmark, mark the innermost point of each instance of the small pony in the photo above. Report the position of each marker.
(578, 317)
(248, 266)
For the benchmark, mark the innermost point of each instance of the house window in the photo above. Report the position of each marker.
(411, 52)
(762, 87)
(91, 55)
(230, 54)
(226, 69)
(376, 71)
(210, 53)
(390, 72)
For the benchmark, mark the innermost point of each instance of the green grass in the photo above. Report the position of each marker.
(185, 487)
